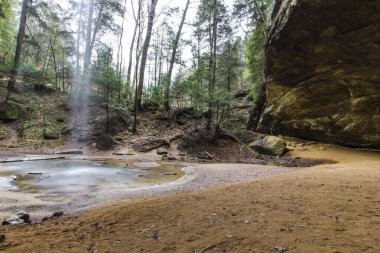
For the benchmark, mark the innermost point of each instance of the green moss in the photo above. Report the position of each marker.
(51, 133)
(60, 118)
(3, 133)
(11, 112)
(65, 130)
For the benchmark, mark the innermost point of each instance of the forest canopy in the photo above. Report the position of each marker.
(130, 52)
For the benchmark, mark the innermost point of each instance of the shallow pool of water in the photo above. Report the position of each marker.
(71, 176)
(53, 182)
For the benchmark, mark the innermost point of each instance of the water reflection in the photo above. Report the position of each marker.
(81, 176)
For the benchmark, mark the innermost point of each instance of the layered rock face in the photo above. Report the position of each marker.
(323, 72)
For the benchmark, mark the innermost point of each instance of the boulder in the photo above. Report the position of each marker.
(104, 142)
(20, 218)
(150, 106)
(10, 112)
(247, 136)
(183, 115)
(269, 145)
(323, 72)
(162, 151)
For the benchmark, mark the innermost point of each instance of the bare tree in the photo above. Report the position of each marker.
(144, 54)
(79, 28)
(20, 40)
(173, 57)
(213, 40)
(87, 54)
(129, 71)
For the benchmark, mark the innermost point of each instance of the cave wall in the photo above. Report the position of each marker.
(323, 72)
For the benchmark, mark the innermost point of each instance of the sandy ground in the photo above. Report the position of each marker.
(328, 208)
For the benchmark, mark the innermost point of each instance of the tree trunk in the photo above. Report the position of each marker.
(129, 71)
(120, 58)
(96, 28)
(63, 70)
(87, 55)
(55, 64)
(229, 77)
(173, 57)
(212, 63)
(144, 55)
(78, 37)
(160, 59)
(20, 40)
(138, 22)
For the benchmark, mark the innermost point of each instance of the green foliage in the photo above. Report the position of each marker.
(29, 70)
(11, 112)
(104, 73)
(258, 15)
(7, 29)
(64, 100)
(3, 133)
(155, 94)
(255, 52)
(51, 133)
(48, 43)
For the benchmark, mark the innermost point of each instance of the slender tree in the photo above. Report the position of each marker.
(20, 40)
(130, 61)
(79, 30)
(87, 55)
(144, 55)
(173, 58)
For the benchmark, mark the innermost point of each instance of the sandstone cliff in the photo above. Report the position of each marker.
(323, 71)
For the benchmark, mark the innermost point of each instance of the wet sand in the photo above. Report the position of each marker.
(327, 208)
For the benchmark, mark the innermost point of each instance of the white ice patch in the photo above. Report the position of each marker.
(6, 182)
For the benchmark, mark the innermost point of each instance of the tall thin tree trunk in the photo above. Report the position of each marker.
(78, 37)
(120, 58)
(173, 57)
(130, 62)
(63, 70)
(138, 22)
(87, 55)
(212, 63)
(160, 59)
(229, 77)
(144, 54)
(96, 28)
(55, 65)
(20, 40)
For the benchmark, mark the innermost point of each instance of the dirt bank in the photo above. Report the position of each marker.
(329, 208)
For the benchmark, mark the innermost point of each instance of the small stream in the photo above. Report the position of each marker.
(41, 187)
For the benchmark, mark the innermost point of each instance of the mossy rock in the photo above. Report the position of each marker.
(10, 112)
(269, 145)
(247, 136)
(104, 142)
(51, 133)
(3, 133)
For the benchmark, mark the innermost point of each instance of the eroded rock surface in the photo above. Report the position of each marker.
(269, 145)
(323, 71)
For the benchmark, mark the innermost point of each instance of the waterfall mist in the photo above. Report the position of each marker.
(80, 109)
